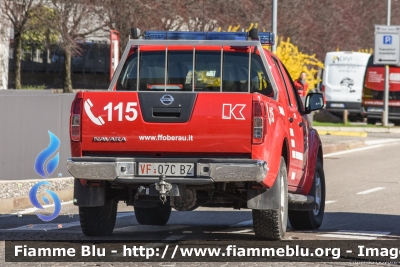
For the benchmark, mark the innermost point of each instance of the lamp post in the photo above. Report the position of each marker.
(385, 113)
(275, 22)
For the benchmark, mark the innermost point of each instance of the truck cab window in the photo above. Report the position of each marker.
(207, 72)
(259, 78)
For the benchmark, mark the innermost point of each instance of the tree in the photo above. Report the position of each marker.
(154, 15)
(210, 15)
(125, 15)
(4, 50)
(18, 12)
(38, 30)
(75, 20)
(39, 35)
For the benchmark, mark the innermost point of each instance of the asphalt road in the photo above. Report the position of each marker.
(362, 203)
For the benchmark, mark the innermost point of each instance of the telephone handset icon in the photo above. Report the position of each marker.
(96, 120)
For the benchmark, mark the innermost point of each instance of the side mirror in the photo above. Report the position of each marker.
(314, 101)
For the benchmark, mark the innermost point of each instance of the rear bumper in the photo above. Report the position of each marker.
(394, 113)
(339, 107)
(125, 170)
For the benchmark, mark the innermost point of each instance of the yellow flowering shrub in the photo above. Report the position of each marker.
(295, 61)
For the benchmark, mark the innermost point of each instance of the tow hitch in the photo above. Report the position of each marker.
(163, 188)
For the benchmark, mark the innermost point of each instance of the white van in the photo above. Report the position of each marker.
(342, 81)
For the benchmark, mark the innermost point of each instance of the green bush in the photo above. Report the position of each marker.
(34, 87)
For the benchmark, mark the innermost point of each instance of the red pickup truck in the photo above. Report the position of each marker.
(197, 119)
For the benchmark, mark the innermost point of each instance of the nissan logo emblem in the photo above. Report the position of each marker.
(167, 100)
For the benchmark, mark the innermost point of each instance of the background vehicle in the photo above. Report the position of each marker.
(342, 81)
(94, 58)
(198, 119)
(374, 84)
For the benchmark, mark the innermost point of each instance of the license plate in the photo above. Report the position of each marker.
(375, 109)
(168, 169)
(337, 105)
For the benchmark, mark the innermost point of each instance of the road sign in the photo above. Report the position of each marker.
(387, 45)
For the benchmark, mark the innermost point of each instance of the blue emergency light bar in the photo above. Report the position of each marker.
(241, 36)
(266, 38)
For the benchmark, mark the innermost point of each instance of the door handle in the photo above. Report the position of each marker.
(291, 120)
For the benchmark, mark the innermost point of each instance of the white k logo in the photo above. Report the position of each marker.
(236, 112)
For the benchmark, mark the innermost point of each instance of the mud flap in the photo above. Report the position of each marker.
(89, 196)
(264, 199)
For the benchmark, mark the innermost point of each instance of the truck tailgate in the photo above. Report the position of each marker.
(157, 122)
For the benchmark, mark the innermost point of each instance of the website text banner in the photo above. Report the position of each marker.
(361, 251)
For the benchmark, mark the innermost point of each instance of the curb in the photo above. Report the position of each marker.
(357, 129)
(63, 187)
(9, 205)
(339, 133)
(331, 148)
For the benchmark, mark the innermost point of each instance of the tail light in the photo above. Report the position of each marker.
(258, 121)
(75, 121)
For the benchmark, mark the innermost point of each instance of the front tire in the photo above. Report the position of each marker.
(98, 221)
(153, 216)
(312, 219)
(272, 224)
(372, 121)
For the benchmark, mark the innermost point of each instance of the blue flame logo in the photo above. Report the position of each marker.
(36, 204)
(45, 155)
(40, 166)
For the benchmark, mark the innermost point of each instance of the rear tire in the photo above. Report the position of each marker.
(272, 224)
(372, 121)
(153, 216)
(312, 219)
(98, 221)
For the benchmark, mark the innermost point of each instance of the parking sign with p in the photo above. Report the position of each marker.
(387, 45)
(387, 39)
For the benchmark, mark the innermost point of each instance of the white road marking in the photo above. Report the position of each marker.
(243, 224)
(32, 210)
(242, 231)
(365, 235)
(153, 228)
(53, 226)
(381, 141)
(291, 132)
(293, 143)
(228, 231)
(370, 190)
(348, 236)
(329, 202)
(293, 175)
(352, 150)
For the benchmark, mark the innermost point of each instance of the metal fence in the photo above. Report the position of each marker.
(25, 119)
(45, 66)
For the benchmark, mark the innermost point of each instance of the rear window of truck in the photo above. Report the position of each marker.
(177, 73)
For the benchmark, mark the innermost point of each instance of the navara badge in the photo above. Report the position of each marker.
(167, 100)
